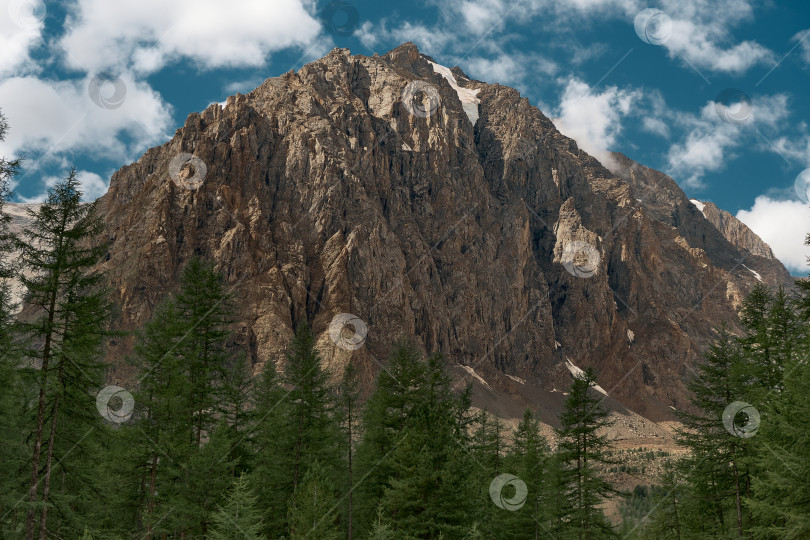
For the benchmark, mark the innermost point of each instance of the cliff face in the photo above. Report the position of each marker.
(431, 205)
(735, 231)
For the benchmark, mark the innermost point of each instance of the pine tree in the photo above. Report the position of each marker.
(295, 427)
(429, 492)
(311, 405)
(207, 310)
(531, 460)
(13, 391)
(189, 407)
(313, 507)
(394, 400)
(237, 409)
(240, 517)
(58, 252)
(770, 343)
(203, 477)
(487, 452)
(581, 453)
(780, 488)
(348, 416)
(716, 466)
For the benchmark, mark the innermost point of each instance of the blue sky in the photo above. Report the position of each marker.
(714, 93)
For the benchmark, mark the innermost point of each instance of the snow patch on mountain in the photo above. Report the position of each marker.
(477, 377)
(578, 373)
(700, 206)
(516, 379)
(756, 274)
(466, 95)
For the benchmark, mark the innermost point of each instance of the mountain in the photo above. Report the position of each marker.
(429, 204)
(734, 230)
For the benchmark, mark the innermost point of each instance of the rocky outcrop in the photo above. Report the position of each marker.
(366, 185)
(735, 231)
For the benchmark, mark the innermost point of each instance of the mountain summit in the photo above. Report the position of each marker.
(425, 203)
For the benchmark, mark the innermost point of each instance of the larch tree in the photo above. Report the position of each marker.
(59, 250)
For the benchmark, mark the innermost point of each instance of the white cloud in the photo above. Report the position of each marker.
(243, 87)
(91, 185)
(593, 119)
(701, 34)
(803, 39)
(145, 35)
(507, 69)
(783, 226)
(710, 141)
(52, 117)
(656, 126)
(20, 29)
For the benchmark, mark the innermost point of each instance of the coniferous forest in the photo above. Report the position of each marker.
(200, 447)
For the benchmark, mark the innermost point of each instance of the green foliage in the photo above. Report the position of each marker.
(214, 452)
(64, 337)
(240, 518)
(780, 499)
(313, 507)
(295, 428)
(581, 452)
(531, 460)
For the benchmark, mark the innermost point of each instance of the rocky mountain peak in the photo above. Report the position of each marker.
(434, 206)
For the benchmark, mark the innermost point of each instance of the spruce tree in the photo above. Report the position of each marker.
(295, 427)
(207, 310)
(240, 518)
(13, 391)
(59, 251)
(780, 488)
(313, 507)
(530, 459)
(429, 492)
(348, 417)
(716, 467)
(395, 398)
(270, 443)
(487, 449)
(582, 454)
(162, 432)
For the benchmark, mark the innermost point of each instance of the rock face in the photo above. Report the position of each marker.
(361, 185)
(735, 231)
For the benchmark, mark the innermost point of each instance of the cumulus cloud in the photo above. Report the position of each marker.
(783, 225)
(145, 35)
(594, 119)
(51, 117)
(701, 35)
(21, 24)
(710, 141)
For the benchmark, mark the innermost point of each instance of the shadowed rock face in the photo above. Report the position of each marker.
(500, 244)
